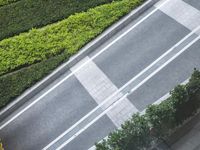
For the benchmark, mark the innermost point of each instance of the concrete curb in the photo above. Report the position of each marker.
(107, 34)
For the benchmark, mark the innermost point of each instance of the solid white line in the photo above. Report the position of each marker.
(132, 90)
(92, 122)
(120, 89)
(163, 98)
(64, 79)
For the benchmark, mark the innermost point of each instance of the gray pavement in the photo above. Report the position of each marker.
(65, 107)
(140, 47)
(193, 3)
(56, 114)
(191, 140)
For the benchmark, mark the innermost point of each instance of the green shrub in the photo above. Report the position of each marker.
(182, 104)
(27, 14)
(39, 46)
(6, 2)
(12, 85)
(159, 121)
(1, 146)
(68, 35)
(161, 118)
(134, 135)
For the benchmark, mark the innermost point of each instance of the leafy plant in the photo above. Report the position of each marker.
(133, 135)
(27, 14)
(1, 146)
(6, 2)
(66, 36)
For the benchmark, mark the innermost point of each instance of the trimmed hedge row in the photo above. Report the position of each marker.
(6, 2)
(1, 146)
(12, 85)
(27, 14)
(67, 35)
(159, 121)
(55, 42)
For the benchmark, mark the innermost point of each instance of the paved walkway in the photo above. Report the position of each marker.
(191, 140)
(183, 13)
(101, 88)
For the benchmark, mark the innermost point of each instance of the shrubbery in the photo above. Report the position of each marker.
(13, 84)
(159, 121)
(1, 146)
(6, 2)
(68, 35)
(26, 14)
(58, 42)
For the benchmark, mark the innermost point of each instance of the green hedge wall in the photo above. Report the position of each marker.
(58, 42)
(26, 14)
(67, 35)
(159, 122)
(14, 84)
(6, 2)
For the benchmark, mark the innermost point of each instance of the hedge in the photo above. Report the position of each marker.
(68, 35)
(159, 121)
(1, 145)
(12, 85)
(27, 14)
(58, 41)
(6, 2)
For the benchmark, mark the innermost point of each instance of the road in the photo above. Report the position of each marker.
(144, 62)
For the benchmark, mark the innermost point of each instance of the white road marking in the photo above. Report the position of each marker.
(132, 90)
(99, 86)
(183, 13)
(120, 89)
(71, 74)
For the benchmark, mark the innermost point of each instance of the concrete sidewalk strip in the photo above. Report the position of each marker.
(100, 87)
(183, 13)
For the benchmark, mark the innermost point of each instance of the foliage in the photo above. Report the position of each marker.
(161, 117)
(59, 41)
(68, 35)
(27, 14)
(136, 129)
(6, 2)
(15, 83)
(1, 146)
(159, 120)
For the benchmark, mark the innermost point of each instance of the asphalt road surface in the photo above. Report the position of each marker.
(156, 52)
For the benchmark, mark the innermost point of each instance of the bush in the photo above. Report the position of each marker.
(134, 135)
(161, 118)
(1, 146)
(68, 35)
(58, 41)
(6, 2)
(27, 14)
(159, 121)
(12, 85)
(182, 104)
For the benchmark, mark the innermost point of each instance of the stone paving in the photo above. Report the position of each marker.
(101, 88)
(191, 141)
(183, 13)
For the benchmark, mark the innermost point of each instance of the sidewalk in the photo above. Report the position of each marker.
(191, 140)
(186, 137)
